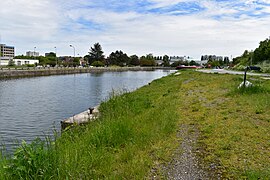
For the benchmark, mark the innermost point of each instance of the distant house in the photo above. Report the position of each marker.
(20, 62)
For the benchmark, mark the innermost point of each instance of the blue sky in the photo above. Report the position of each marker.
(173, 27)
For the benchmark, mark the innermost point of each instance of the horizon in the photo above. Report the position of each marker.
(172, 27)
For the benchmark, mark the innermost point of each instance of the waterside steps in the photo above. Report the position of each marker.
(81, 118)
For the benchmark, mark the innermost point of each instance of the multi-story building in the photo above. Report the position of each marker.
(32, 53)
(7, 53)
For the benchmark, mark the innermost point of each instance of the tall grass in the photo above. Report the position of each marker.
(121, 143)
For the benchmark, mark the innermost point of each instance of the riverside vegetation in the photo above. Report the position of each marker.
(136, 134)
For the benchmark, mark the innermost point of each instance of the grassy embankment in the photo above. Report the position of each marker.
(137, 132)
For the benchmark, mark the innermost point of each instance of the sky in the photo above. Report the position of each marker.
(172, 27)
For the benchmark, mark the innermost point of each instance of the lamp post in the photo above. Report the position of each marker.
(73, 54)
(73, 49)
(55, 50)
(34, 55)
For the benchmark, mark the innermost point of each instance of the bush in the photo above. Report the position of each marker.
(239, 67)
(265, 66)
(30, 65)
(98, 64)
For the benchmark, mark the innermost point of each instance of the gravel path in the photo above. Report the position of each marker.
(185, 164)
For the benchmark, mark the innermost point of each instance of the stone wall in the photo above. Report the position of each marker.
(13, 73)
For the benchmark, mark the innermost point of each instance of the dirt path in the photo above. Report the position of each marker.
(185, 164)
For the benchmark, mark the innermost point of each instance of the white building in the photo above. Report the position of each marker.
(32, 53)
(20, 62)
(4, 61)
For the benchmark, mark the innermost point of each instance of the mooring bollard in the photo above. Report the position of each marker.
(91, 110)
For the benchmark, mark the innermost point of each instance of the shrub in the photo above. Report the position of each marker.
(265, 66)
(97, 64)
(239, 67)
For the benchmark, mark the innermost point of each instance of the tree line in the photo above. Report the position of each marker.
(96, 57)
(259, 55)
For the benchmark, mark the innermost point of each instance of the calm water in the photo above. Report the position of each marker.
(32, 107)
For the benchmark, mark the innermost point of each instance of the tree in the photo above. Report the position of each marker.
(221, 62)
(245, 59)
(149, 56)
(11, 63)
(166, 61)
(262, 53)
(88, 59)
(226, 60)
(147, 60)
(24, 57)
(95, 54)
(97, 64)
(134, 60)
(193, 63)
(118, 58)
(76, 61)
(50, 54)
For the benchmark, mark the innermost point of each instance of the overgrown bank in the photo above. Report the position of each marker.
(136, 133)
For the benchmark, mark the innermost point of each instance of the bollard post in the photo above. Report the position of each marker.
(91, 110)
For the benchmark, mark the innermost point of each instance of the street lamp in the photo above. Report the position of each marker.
(73, 49)
(34, 55)
(55, 55)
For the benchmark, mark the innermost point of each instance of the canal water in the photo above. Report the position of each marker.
(34, 107)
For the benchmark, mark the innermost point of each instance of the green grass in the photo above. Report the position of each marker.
(136, 134)
(234, 123)
(122, 143)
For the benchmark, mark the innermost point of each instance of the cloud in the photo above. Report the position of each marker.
(173, 27)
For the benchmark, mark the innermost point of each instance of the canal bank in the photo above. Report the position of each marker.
(189, 119)
(34, 72)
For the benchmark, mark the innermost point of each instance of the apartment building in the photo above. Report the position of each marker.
(7, 51)
(32, 53)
